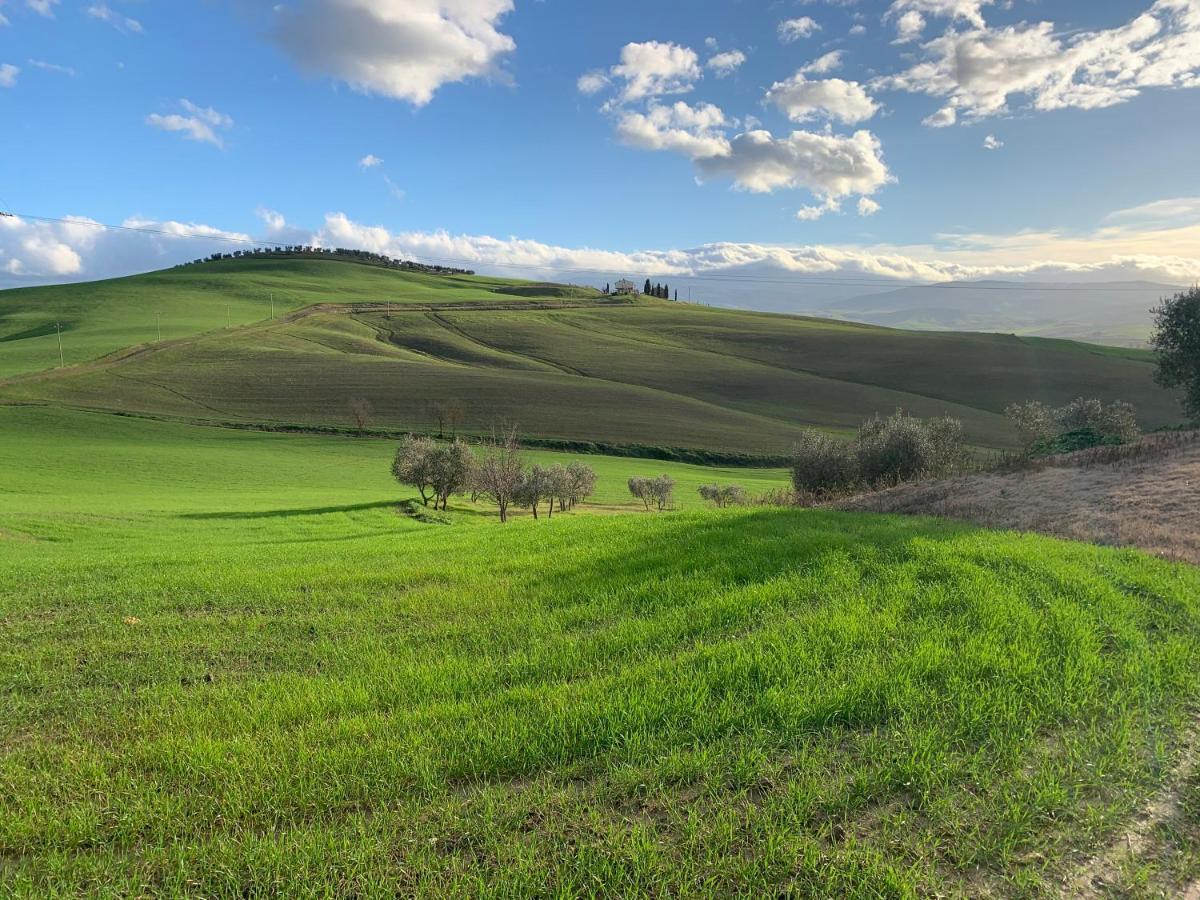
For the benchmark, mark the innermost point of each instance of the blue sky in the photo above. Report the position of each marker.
(791, 136)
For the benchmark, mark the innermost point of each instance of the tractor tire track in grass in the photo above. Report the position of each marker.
(1139, 843)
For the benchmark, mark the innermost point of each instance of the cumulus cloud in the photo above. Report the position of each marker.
(981, 71)
(200, 124)
(726, 63)
(829, 166)
(909, 27)
(991, 142)
(795, 29)
(654, 69)
(867, 206)
(592, 82)
(831, 98)
(8, 75)
(822, 64)
(406, 49)
(105, 13)
(370, 161)
(693, 131)
(857, 30)
(970, 11)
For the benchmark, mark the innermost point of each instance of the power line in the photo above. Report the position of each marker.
(731, 277)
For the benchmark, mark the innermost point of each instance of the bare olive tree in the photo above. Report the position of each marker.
(361, 411)
(500, 472)
(582, 483)
(658, 492)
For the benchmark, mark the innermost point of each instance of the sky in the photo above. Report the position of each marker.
(914, 140)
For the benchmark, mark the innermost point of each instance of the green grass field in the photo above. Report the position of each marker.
(650, 373)
(100, 317)
(230, 668)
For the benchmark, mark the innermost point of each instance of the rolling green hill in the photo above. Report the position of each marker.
(228, 667)
(103, 316)
(561, 364)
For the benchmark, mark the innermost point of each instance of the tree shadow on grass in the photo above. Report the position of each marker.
(289, 513)
(743, 549)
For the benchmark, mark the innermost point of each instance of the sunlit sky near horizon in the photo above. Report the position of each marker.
(915, 139)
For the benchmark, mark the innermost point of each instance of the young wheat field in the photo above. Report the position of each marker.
(230, 667)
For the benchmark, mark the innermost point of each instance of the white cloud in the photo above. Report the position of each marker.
(831, 98)
(1176, 211)
(406, 49)
(822, 64)
(980, 71)
(105, 13)
(827, 165)
(909, 27)
(654, 69)
(397, 192)
(52, 67)
(812, 213)
(200, 125)
(42, 7)
(726, 63)
(370, 161)
(8, 75)
(943, 118)
(991, 142)
(968, 10)
(592, 82)
(794, 29)
(867, 206)
(857, 30)
(693, 131)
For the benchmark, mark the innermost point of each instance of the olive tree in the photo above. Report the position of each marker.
(500, 473)
(1177, 342)
(452, 467)
(582, 483)
(414, 465)
(723, 495)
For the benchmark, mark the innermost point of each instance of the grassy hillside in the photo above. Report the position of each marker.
(645, 373)
(103, 316)
(229, 668)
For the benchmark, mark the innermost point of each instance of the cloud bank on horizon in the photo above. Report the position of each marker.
(1125, 246)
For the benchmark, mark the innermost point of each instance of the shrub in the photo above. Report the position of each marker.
(822, 465)
(1042, 429)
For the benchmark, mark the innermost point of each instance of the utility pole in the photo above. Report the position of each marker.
(62, 362)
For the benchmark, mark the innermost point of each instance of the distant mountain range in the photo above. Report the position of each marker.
(1115, 312)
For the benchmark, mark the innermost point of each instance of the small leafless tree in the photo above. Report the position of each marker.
(361, 411)
(500, 472)
(640, 488)
(658, 492)
(582, 483)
